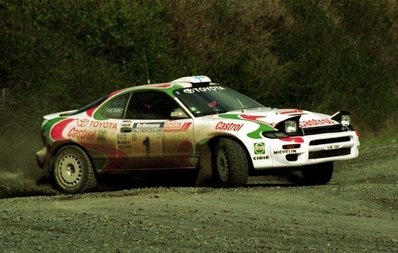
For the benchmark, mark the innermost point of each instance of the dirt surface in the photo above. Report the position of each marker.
(356, 212)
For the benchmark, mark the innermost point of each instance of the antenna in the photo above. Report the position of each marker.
(146, 66)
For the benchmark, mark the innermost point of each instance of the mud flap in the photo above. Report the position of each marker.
(205, 169)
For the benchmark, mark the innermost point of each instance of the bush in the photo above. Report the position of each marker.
(334, 57)
(323, 55)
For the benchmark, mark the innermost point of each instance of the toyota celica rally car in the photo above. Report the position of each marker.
(194, 124)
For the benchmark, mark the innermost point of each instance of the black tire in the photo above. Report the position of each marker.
(230, 165)
(318, 174)
(72, 171)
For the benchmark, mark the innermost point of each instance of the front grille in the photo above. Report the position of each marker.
(323, 130)
(329, 153)
(330, 140)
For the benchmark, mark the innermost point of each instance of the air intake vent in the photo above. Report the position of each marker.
(329, 153)
(323, 130)
(330, 140)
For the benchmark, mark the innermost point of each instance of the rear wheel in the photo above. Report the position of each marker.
(230, 166)
(318, 174)
(73, 171)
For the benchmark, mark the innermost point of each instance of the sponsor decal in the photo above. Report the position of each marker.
(155, 128)
(316, 122)
(81, 134)
(96, 124)
(148, 127)
(101, 124)
(228, 126)
(126, 123)
(287, 151)
(259, 148)
(255, 134)
(123, 141)
(101, 135)
(172, 126)
(82, 122)
(257, 158)
(203, 89)
(113, 111)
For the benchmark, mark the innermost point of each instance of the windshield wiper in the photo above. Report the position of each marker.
(241, 104)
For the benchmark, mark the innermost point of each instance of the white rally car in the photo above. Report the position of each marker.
(191, 123)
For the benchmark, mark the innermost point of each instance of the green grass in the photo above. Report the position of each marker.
(377, 163)
(378, 140)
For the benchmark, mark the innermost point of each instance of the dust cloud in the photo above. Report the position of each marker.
(18, 184)
(19, 173)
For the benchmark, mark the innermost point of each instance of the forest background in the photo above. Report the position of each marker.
(323, 56)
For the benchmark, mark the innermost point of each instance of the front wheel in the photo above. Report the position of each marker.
(230, 164)
(318, 174)
(73, 171)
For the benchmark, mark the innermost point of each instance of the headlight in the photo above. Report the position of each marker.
(290, 126)
(345, 120)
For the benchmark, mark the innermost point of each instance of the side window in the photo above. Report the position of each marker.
(150, 105)
(114, 109)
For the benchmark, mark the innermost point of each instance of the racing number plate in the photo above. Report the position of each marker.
(331, 147)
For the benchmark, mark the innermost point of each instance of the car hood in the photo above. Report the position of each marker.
(58, 114)
(272, 116)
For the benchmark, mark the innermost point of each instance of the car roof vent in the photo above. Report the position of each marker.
(193, 80)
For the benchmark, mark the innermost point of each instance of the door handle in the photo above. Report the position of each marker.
(126, 129)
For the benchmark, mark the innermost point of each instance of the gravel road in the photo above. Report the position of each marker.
(356, 212)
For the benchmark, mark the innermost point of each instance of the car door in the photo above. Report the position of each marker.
(106, 124)
(178, 146)
(149, 138)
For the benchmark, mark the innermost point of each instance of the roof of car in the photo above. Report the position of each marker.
(183, 82)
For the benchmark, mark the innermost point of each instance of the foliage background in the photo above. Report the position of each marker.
(318, 55)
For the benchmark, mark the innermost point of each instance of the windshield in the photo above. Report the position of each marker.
(206, 100)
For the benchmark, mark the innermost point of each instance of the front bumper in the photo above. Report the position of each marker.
(306, 150)
(41, 157)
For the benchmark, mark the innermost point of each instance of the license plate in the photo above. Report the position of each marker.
(331, 147)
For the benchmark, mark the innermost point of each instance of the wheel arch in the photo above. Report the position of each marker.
(58, 146)
(212, 143)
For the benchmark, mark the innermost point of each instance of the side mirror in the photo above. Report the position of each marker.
(178, 113)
